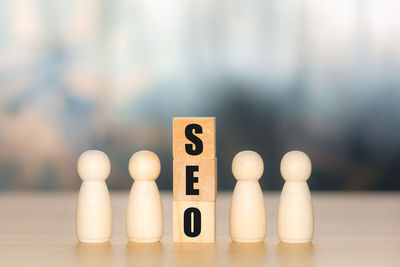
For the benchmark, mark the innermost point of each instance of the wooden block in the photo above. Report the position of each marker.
(195, 180)
(193, 138)
(194, 222)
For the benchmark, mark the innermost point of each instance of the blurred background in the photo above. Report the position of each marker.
(315, 75)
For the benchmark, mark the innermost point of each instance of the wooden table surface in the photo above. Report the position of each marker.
(351, 229)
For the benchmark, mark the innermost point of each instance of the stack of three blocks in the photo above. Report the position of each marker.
(194, 180)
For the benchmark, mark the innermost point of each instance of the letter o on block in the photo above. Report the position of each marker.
(192, 226)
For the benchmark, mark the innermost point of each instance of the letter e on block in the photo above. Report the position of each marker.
(195, 180)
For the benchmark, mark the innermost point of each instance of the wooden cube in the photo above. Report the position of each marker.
(194, 222)
(195, 180)
(193, 138)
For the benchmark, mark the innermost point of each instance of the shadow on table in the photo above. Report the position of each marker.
(194, 255)
(247, 254)
(144, 254)
(295, 254)
(93, 254)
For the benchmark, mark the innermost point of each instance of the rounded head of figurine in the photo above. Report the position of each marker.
(94, 165)
(144, 166)
(247, 166)
(296, 166)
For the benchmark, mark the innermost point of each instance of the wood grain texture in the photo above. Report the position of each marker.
(206, 176)
(144, 215)
(247, 220)
(207, 137)
(352, 229)
(207, 209)
(94, 213)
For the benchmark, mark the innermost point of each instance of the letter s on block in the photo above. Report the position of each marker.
(194, 139)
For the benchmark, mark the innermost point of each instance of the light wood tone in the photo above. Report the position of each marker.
(296, 166)
(93, 210)
(207, 180)
(295, 215)
(207, 137)
(144, 218)
(247, 166)
(206, 175)
(89, 254)
(207, 210)
(144, 165)
(144, 254)
(93, 165)
(93, 213)
(352, 229)
(247, 220)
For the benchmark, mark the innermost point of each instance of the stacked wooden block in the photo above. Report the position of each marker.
(194, 180)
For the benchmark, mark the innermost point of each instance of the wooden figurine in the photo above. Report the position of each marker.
(93, 211)
(295, 214)
(144, 219)
(247, 219)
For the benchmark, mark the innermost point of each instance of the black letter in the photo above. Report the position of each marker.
(190, 180)
(187, 222)
(191, 137)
